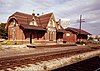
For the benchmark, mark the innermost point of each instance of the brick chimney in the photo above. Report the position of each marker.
(33, 13)
(59, 21)
(38, 15)
(42, 13)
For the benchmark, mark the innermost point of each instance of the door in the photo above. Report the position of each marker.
(30, 38)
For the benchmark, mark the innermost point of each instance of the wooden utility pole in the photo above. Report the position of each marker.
(81, 20)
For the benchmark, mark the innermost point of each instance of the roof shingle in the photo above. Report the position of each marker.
(77, 31)
(23, 18)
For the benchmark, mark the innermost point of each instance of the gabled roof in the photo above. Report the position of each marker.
(60, 30)
(43, 20)
(23, 18)
(22, 14)
(77, 31)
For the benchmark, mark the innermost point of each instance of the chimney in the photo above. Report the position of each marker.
(42, 13)
(59, 21)
(38, 15)
(33, 13)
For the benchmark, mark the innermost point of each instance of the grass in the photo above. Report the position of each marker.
(93, 45)
(6, 42)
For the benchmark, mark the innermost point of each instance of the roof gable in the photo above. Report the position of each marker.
(59, 26)
(43, 20)
(52, 22)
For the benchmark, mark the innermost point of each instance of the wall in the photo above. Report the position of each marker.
(19, 35)
(70, 37)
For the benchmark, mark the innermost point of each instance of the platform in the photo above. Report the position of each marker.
(49, 45)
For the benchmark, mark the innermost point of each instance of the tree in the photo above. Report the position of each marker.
(3, 32)
(96, 37)
(90, 38)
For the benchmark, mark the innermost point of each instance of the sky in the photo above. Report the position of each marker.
(69, 9)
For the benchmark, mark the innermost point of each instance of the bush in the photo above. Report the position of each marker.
(94, 42)
(7, 42)
(3, 32)
(81, 42)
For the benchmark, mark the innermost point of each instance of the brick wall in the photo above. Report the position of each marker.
(47, 35)
(70, 37)
(10, 33)
(19, 33)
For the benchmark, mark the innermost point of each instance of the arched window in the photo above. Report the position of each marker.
(14, 22)
(67, 34)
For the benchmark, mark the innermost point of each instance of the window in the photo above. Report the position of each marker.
(51, 29)
(67, 34)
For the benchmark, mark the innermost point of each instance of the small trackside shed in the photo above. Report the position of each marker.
(74, 35)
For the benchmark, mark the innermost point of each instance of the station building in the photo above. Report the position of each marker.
(25, 28)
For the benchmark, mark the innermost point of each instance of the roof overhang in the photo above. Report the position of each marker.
(78, 31)
(61, 30)
(32, 27)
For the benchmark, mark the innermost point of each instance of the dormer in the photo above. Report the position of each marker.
(59, 27)
(33, 22)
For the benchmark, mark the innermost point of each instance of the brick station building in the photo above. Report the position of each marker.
(74, 35)
(26, 28)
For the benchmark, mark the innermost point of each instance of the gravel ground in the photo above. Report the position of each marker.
(11, 51)
(56, 63)
(49, 64)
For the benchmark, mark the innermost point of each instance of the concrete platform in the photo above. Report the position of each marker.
(17, 51)
(49, 45)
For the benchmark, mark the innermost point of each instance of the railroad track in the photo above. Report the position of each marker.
(91, 64)
(25, 60)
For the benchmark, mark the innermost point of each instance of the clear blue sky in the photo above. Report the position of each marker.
(70, 9)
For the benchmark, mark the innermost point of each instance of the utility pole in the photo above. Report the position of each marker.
(80, 27)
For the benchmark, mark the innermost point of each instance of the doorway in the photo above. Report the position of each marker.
(30, 38)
